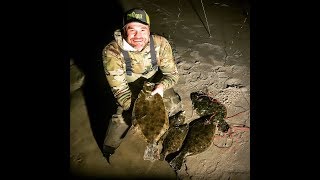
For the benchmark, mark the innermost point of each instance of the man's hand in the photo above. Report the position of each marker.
(158, 89)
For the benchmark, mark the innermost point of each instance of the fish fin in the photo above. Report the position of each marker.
(177, 162)
(108, 151)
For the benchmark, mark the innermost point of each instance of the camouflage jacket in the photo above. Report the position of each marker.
(115, 67)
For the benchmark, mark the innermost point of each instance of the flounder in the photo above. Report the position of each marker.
(151, 119)
(176, 134)
(206, 105)
(199, 138)
(201, 131)
(174, 140)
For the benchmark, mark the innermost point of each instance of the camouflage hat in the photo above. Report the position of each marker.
(136, 15)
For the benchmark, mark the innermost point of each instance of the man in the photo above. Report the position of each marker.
(133, 57)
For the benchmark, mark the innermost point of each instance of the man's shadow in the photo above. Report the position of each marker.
(91, 27)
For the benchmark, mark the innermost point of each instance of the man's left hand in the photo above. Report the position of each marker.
(158, 89)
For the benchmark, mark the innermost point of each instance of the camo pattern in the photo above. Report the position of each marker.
(115, 67)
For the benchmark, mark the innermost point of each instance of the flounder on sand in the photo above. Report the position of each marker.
(201, 131)
(206, 105)
(176, 134)
(198, 139)
(151, 119)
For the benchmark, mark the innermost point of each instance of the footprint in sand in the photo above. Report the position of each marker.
(209, 52)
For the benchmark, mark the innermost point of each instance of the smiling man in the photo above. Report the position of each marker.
(135, 56)
(137, 35)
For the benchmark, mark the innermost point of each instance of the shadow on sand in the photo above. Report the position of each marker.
(91, 27)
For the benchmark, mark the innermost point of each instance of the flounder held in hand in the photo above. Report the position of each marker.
(151, 119)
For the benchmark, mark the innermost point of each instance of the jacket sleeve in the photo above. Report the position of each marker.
(167, 65)
(115, 74)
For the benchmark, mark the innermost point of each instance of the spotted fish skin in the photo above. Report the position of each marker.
(174, 139)
(198, 139)
(206, 105)
(177, 119)
(151, 119)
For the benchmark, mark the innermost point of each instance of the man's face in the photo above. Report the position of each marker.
(137, 35)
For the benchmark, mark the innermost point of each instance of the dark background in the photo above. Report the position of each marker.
(91, 26)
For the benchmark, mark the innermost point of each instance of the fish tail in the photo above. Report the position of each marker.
(151, 152)
(176, 163)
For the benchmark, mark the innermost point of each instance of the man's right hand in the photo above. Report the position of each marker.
(158, 89)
